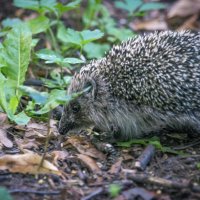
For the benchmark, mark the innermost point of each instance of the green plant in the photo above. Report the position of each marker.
(4, 194)
(14, 56)
(136, 7)
(155, 141)
(114, 190)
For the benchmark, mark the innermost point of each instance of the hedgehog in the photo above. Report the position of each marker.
(145, 85)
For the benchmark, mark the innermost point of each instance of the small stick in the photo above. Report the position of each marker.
(93, 194)
(180, 184)
(34, 192)
(46, 141)
(145, 157)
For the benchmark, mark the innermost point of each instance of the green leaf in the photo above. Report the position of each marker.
(198, 165)
(7, 88)
(56, 97)
(114, 190)
(120, 33)
(152, 6)
(129, 5)
(40, 6)
(144, 141)
(76, 37)
(64, 8)
(94, 50)
(21, 118)
(16, 54)
(10, 22)
(72, 60)
(89, 36)
(4, 194)
(13, 103)
(34, 42)
(38, 97)
(68, 35)
(50, 56)
(39, 24)
(29, 4)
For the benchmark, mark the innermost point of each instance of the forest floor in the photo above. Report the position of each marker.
(76, 168)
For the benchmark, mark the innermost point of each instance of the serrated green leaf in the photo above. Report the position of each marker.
(39, 24)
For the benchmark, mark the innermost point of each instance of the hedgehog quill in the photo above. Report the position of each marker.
(142, 86)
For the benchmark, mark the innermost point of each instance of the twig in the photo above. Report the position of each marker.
(34, 191)
(46, 141)
(188, 145)
(93, 194)
(145, 157)
(180, 184)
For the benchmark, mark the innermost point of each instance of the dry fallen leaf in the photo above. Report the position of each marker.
(84, 147)
(4, 140)
(27, 163)
(27, 143)
(116, 167)
(59, 155)
(3, 118)
(184, 8)
(89, 162)
(153, 24)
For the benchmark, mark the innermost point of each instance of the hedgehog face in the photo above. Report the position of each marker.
(75, 116)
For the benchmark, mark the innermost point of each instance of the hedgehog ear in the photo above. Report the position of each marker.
(91, 87)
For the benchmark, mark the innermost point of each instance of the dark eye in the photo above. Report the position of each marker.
(76, 108)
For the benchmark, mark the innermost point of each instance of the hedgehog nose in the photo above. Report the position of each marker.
(63, 128)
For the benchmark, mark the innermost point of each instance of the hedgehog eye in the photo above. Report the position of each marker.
(76, 108)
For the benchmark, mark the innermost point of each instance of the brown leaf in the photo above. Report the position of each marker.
(4, 140)
(3, 118)
(115, 168)
(86, 148)
(89, 162)
(154, 24)
(184, 8)
(27, 163)
(27, 143)
(39, 130)
(59, 155)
